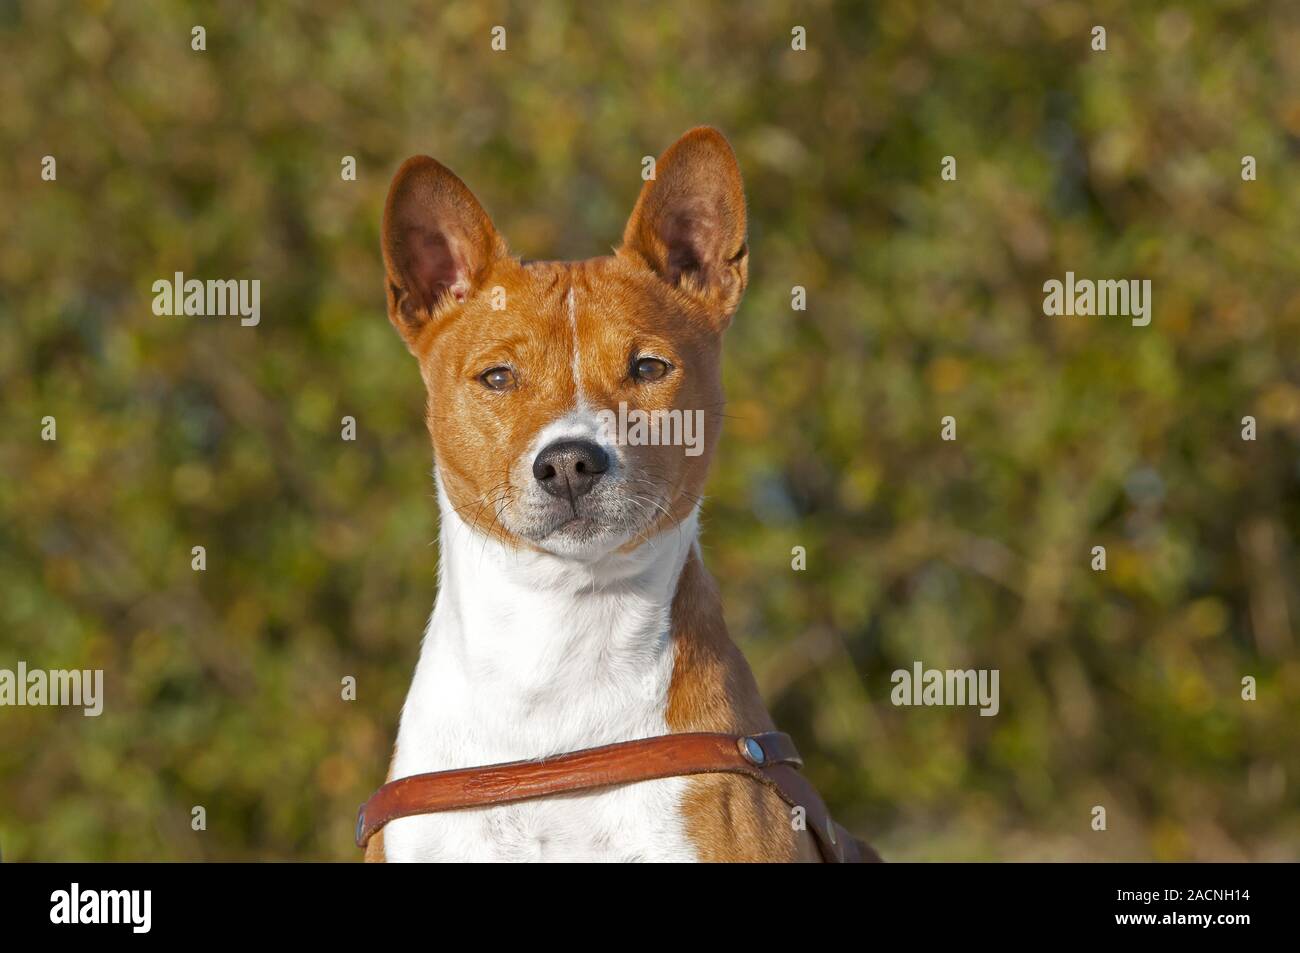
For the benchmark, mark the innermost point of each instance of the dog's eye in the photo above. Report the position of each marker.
(498, 378)
(649, 369)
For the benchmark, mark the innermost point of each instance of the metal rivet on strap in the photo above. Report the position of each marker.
(753, 751)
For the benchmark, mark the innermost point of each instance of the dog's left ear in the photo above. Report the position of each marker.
(688, 225)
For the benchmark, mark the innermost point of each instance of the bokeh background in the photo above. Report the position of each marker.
(1120, 688)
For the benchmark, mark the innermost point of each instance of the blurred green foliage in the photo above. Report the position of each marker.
(1120, 688)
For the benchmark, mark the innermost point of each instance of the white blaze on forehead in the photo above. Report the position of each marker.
(571, 301)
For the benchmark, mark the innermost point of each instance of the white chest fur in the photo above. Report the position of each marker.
(527, 655)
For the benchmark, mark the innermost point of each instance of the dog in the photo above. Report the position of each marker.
(574, 609)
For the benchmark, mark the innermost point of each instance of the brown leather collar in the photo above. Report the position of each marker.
(769, 758)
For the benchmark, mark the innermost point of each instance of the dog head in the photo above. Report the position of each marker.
(573, 406)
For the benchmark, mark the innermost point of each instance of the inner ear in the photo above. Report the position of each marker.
(689, 237)
(435, 268)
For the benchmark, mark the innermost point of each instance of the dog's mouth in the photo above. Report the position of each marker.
(573, 525)
(594, 523)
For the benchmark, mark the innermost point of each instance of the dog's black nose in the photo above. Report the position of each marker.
(569, 468)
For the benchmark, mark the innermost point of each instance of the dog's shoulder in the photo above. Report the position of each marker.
(728, 817)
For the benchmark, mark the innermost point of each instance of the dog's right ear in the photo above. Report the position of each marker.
(438, 245)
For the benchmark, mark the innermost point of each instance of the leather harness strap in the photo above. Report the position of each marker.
(769, 758)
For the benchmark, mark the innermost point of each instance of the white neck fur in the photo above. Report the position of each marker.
(552, 654)
(528, 655)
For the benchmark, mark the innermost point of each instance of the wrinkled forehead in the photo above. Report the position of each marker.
(573, 320)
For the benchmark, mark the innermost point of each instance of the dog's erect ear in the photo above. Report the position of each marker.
(689, 222)
(438, 244)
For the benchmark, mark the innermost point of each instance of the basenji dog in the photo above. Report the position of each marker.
(574, 609)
